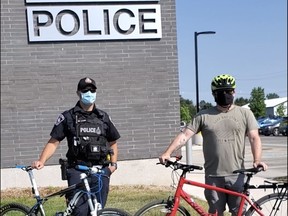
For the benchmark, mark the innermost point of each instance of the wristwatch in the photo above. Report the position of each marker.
(114, 164)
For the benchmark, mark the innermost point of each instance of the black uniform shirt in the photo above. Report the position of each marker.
(65, 126)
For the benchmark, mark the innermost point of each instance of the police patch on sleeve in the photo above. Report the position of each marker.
(59, 119)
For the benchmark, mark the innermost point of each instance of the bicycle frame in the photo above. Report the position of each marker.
(180, 193)
(270, 203)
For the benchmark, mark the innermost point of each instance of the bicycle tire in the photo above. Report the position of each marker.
(267, 202)
(112, 211)
(15, 209)
(160, 207)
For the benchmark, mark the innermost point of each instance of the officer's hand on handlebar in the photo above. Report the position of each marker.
(37, 165)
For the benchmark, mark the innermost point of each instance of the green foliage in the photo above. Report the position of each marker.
(185, 113)
(280, 110)
(241, 101)
(187, 110)
(272, 95)
(257, 102)
(204, 105)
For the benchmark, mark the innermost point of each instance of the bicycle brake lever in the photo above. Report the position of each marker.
(178, 157)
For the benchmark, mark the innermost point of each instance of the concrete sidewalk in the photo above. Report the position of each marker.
(133, 172)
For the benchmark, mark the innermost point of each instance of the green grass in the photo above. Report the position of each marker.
(128, 198)
(281, 178)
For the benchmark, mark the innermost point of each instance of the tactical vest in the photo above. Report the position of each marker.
(90, 143)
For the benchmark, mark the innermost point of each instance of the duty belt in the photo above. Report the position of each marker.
(72, 164)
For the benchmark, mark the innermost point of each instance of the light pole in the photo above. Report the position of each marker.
(189, 142)
(196, 65)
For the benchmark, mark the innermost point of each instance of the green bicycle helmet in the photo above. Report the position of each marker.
(224, 81)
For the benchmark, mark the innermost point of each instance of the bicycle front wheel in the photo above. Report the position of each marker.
(14, 209)
(111, 212)
(160, 207)
(272, 204)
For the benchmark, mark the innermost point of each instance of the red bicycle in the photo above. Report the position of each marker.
(272, 204)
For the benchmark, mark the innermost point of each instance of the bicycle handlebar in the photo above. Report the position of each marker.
(88, 170)
(91, 170)
(253, 170)
(25, 168)
(185, 167)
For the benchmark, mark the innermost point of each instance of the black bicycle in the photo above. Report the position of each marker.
(83, 189)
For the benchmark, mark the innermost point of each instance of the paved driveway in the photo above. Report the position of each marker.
(274, 154)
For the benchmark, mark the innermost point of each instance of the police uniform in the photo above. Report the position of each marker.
(85, 132)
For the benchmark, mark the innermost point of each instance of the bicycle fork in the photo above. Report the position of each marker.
(94, 205)
(36, 192)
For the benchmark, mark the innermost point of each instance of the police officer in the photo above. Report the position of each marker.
(92, 140)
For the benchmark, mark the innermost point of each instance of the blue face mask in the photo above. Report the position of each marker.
(88, 98)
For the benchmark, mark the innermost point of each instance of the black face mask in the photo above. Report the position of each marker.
(223, 99)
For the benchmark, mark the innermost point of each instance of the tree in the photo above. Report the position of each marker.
(204, 105)
(241, 101)
(280, 111)
(187, 110)
(257, 102)
(185, 114)
(272, 95)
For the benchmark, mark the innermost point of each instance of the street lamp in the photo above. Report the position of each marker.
(196, 64)
(189, 142)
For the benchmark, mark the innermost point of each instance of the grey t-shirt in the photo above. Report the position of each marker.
(223, 138)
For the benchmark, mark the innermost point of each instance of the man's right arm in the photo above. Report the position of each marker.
(47, 152)
(179, 141)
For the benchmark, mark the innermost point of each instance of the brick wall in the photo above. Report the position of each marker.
(137, 84)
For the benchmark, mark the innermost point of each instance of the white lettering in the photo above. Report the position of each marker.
(78, 23)
(87, 130)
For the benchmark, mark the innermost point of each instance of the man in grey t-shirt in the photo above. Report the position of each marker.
(224, 128)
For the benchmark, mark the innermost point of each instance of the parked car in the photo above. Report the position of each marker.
(272, 128)
(261, 119)
(267, 121)
(283, 128)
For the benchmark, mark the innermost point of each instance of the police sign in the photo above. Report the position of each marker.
(86, 21)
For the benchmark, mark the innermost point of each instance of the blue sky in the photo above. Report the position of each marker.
(250, 43)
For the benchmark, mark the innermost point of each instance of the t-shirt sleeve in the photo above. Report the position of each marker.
(195, 124)
(251, 121)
